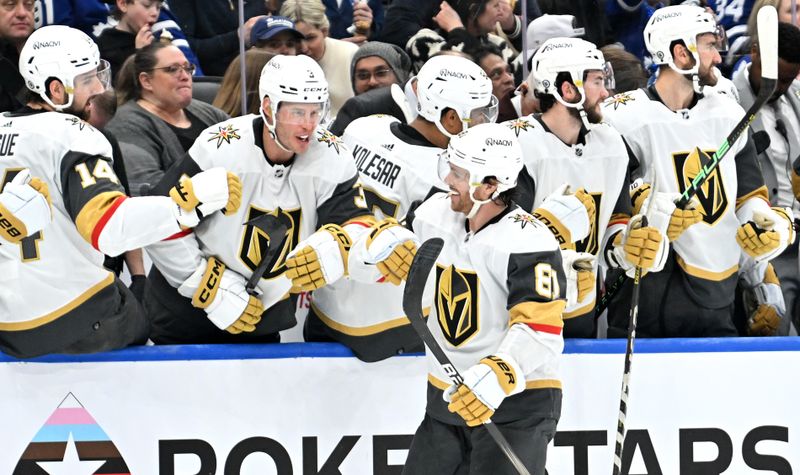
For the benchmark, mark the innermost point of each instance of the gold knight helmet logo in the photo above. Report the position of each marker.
(457, 303)
(255, 242)
(711, 195)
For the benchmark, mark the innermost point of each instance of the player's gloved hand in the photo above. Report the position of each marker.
(319, 260)
(24, 207)
(663, 210)
(221, 293)
(637, 246)
(581, 280)
(568, 216)
(485, 386)
(763, 299)
(767, 233)
(204, 193)
(392, 248)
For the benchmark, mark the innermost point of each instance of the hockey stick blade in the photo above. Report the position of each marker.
(417, 279)
(275, 231)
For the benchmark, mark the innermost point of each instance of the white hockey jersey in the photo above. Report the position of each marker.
(499, 289)
(661, 140)
(396, 167)
(599, 164)
(317, 187)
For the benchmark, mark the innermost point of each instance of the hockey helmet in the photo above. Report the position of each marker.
(62, 53)
(456, 83)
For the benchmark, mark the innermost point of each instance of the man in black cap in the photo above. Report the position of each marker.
(276, 35)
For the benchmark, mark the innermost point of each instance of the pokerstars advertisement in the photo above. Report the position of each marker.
(250, 409)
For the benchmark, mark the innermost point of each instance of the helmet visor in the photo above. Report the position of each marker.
(100, 77)
(446, 168)
(722, 39)
(483, 115)
(608, 77)
(301, 113)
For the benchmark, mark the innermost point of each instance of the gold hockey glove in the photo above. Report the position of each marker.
(319, 260)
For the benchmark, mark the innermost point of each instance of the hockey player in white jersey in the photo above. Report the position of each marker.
(55, 295)
(293, 169)
(397, 164)
(25, 207)
(496, 312)
(671, 128)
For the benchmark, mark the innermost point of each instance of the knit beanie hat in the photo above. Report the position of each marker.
(395, 57)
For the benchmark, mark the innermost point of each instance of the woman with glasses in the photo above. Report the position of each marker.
(157, 121)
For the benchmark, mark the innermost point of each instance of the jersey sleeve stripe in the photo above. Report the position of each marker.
(760, 192)
(555, 330)
(94, 215)
(546, 314)
(179, 235)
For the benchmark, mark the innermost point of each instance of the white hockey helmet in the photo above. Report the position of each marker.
(456, 83)
(572, 56)
(296, 79)
(63, 53)
(679, 23)
(485, 150)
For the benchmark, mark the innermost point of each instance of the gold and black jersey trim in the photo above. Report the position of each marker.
(532, 384)
(367, 330)
(706, 274)
(761, 192)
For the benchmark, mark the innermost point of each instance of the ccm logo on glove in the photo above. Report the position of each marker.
(209, 285)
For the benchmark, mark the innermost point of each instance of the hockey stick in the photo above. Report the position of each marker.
(275, 230)
(767, 21)
(412, 305)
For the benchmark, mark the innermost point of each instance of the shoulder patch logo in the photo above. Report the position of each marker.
(224, 134)
(620, 100)
(78, 122)
(327, 137)
(524, 219)
(520, 125)
(71, 441)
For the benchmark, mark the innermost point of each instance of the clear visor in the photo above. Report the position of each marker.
(92, 80)
(302, 113)
(445, 169)
(483, 115)
(722, 39)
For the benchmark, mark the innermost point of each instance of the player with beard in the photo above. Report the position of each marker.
(671, 129)
(55, 294)
(559, 146)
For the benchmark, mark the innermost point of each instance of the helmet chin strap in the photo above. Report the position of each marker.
(476, 203)
(440, 126)
(272, 132)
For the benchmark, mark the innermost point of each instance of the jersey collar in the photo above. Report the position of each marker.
(581, 133)
(652, 94)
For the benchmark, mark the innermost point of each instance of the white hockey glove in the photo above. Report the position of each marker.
(24, 207)
(385, 251)
(221, 293)
(636, 246)
(664, 210)
(569, 217)
(579, 270)
(204, 193)
(763, 299)
(764, 232)
(485, 386)
(319, 260)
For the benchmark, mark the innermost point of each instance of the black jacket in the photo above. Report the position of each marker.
(11, 82)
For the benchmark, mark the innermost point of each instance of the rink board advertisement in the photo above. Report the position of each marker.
(703, 406)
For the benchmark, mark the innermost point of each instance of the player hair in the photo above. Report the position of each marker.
(143, 61)
(789, 43)
(546, 101)
(507, 197)
(629, 74)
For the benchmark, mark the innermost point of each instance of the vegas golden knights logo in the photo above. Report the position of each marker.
(255, 241)
(589, 243)
(711, 195)
(457, 303)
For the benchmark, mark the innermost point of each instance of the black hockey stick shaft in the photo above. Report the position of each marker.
(275, 230)
(421, 267)
(768, 50)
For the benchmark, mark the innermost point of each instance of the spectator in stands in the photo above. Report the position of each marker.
(331, 54)
(276, 35)
(133, 31)
(377, 64)
(229, 96)
(16, 25)
(627, 19)
(525, 101)
(589, 15)
(499, 71)
(629, 74)
(354, 20)
(541, 30)
(389, 100)
(157, 121)
(212, 28)
(466, 26)
(780, 119)
(405, 18)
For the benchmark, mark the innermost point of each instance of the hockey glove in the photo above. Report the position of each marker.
(645, 247)
(664, 210)
(763, 299)
(24, 207)
(569, 217)
(392, 248)
(319, 260)
(221, 293)
(204, 193)
(766, 233)
(579, 269)
(485, 386)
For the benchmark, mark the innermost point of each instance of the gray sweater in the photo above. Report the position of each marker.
(149, 147)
